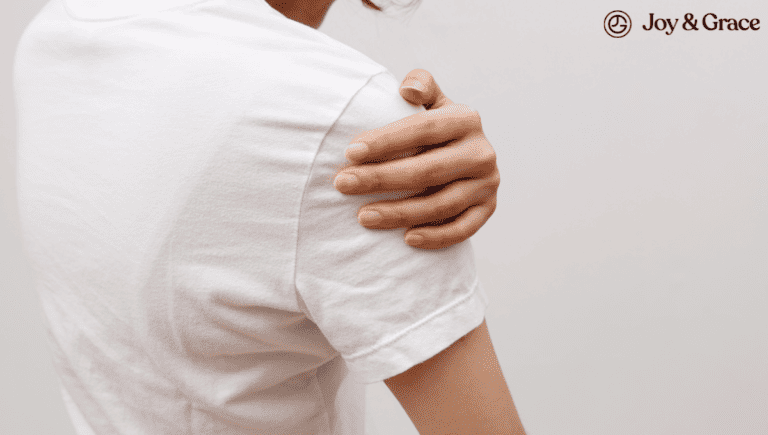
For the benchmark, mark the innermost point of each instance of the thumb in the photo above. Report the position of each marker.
(419, 87)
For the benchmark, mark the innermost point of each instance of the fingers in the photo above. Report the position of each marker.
(422, 129)
(464, 227)
(447, 203)
(470, 158)
(419, 87)
(441, 147)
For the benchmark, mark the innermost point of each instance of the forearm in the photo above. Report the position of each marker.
(459, 391)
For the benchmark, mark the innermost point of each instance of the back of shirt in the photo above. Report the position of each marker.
(198, 271)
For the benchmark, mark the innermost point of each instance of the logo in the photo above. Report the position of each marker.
(708, 22)
(617, 24)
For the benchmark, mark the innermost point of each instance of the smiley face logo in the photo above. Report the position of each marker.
(617, 24)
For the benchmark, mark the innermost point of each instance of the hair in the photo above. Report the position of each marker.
(393, 7)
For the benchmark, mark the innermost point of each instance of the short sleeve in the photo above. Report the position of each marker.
(384, 305)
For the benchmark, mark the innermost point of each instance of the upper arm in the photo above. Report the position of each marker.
(460, 390)
(382, 304)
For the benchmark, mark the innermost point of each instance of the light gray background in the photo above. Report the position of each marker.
(627, 262)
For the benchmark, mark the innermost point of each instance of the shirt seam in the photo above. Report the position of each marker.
(396, 337)
(306, 184)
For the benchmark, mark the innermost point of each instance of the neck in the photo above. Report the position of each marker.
(308, 12)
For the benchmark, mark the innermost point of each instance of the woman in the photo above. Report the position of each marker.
(199, 272)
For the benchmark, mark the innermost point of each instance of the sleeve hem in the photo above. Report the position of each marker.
(425, 339)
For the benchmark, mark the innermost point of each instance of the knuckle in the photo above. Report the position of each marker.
(450, 206)
(464, 108)
(475, 219)
(484, 194)
(492, 206)
(479, 158)
(495, 180)
(372, 180)
(486, 160)
(476, 118)
(429, 125)
(433, 176)
(464, 188)
(398, 216)
(491, 184)
(465, 117)
(472, 115)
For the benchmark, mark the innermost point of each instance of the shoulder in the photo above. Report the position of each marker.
(383, 304)
(226, 32)
(254, 27)
(278, 60)
(240, 56)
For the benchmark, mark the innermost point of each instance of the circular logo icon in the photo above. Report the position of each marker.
(617, 24)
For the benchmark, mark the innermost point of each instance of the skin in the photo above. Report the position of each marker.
(461, 390)
(309, 12)
(447, 159)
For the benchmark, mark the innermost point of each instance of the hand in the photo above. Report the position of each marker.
(442, 153)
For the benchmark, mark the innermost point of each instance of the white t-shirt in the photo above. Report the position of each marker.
(199, 272)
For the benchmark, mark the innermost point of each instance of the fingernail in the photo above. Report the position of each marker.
(357, 151)
(416, 85)
(414, 239)
(369, 217)
(345, 182)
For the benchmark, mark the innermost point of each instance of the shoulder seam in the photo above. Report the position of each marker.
(303, 306)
